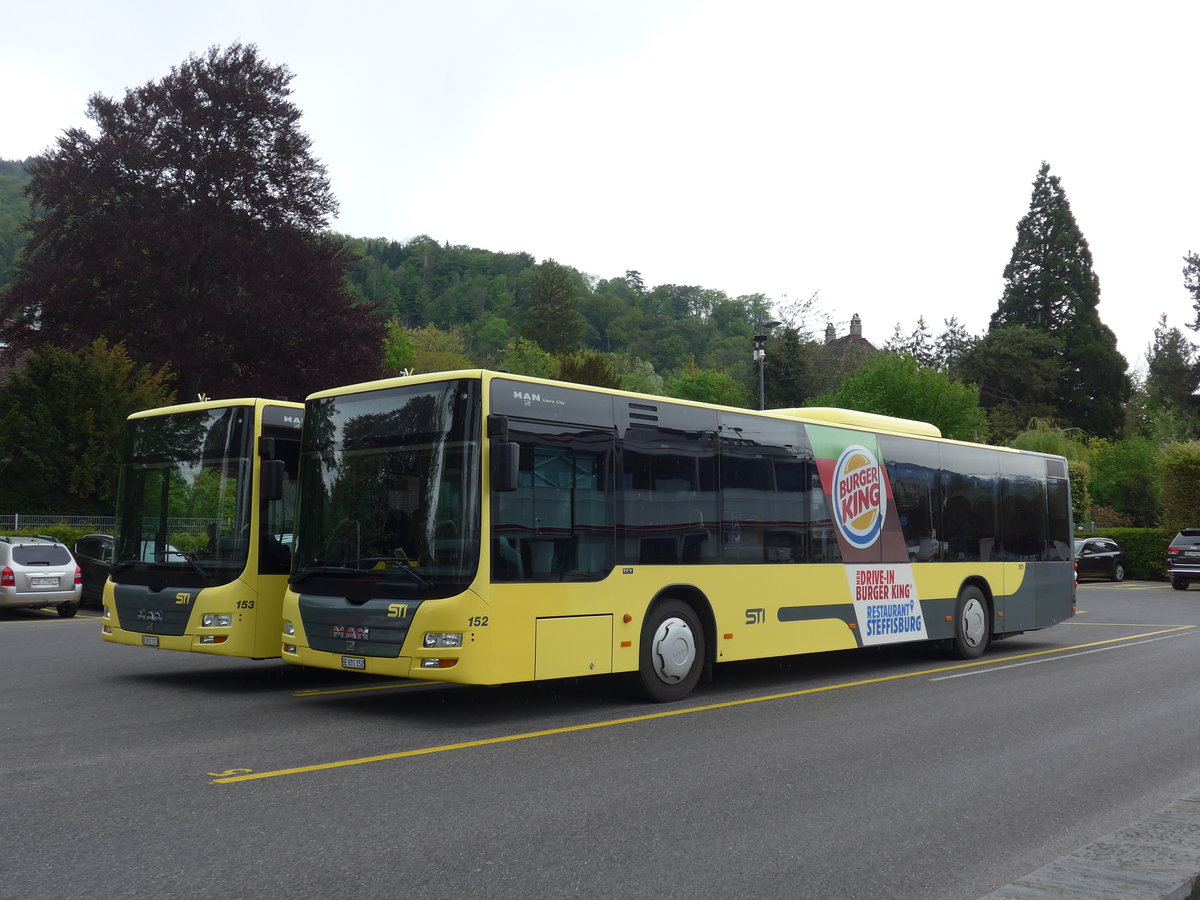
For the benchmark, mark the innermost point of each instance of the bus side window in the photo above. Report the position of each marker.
(559, 522)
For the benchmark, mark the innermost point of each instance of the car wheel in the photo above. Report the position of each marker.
(972, 624)
(1118, 572)
(1180, 584)
(66, 610)
(672, 652)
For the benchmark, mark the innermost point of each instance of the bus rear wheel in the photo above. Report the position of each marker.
(671, 657)
(972, 624)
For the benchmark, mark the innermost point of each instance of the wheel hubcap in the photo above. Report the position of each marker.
(974, 622)
(673, 650)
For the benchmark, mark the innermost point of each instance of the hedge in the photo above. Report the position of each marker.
(1145, 550)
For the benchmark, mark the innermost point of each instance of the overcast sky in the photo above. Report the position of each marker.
(879, 153)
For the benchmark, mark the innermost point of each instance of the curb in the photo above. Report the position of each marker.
(1155, 859)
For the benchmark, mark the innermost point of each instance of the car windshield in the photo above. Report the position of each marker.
(390, 489)
(184, 495)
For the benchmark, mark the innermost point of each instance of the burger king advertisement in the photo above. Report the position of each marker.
(859, 497)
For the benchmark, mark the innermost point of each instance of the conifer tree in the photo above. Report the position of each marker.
(1050, 287)
(1172, 374)
(552, 317)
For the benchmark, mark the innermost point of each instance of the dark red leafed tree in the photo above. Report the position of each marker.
(189, 224)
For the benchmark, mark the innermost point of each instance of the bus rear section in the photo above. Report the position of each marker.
(205, 510)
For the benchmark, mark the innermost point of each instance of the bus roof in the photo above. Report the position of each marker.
(201, 405)
(854, 418)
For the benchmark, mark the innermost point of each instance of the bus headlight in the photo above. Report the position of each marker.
(443, 639)
(216, 620)
(288, 627)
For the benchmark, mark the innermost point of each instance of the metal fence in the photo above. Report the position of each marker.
(18, 521)
(106, 524)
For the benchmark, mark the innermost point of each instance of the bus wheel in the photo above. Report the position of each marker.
(972, 624)
(672, 652)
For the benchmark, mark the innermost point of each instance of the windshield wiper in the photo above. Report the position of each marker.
(395, 564)
(204, 573)
(325, 571)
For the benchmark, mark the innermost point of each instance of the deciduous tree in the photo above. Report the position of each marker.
(1179, 473)
(189, 224)
(897, 385)
(62, 425)
(588, 367)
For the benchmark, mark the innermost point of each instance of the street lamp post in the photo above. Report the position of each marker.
(761, 330)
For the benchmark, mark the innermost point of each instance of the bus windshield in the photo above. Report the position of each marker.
(389, 492)
(184, 496)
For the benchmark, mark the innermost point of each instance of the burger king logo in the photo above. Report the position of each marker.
(859, 501)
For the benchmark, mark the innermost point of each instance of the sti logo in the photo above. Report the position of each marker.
(859, 502)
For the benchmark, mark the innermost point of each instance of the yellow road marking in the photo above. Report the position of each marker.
(358, 690)
(670, 713)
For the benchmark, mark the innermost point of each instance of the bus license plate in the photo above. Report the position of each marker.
(353, 662)
(149, 640)
(43, 582)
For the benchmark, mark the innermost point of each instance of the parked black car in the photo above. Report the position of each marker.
(94, 553)
(1099, 558)
(1183, 559)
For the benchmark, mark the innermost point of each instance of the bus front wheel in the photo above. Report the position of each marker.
(672, 652)
(972, 624)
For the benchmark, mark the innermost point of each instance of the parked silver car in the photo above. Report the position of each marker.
(39, 572)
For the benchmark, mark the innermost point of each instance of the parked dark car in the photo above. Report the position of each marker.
(94, 554)
(1099, 558)
(1183, 559)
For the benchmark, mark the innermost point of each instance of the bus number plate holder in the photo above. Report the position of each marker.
(149, 640)
(353, 662)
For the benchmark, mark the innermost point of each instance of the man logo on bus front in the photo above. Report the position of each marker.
(859, 501)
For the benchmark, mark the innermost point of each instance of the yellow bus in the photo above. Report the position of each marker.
(205, 509)
(484, 528)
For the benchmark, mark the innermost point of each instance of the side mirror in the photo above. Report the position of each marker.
(506, 463)
(271, 476)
